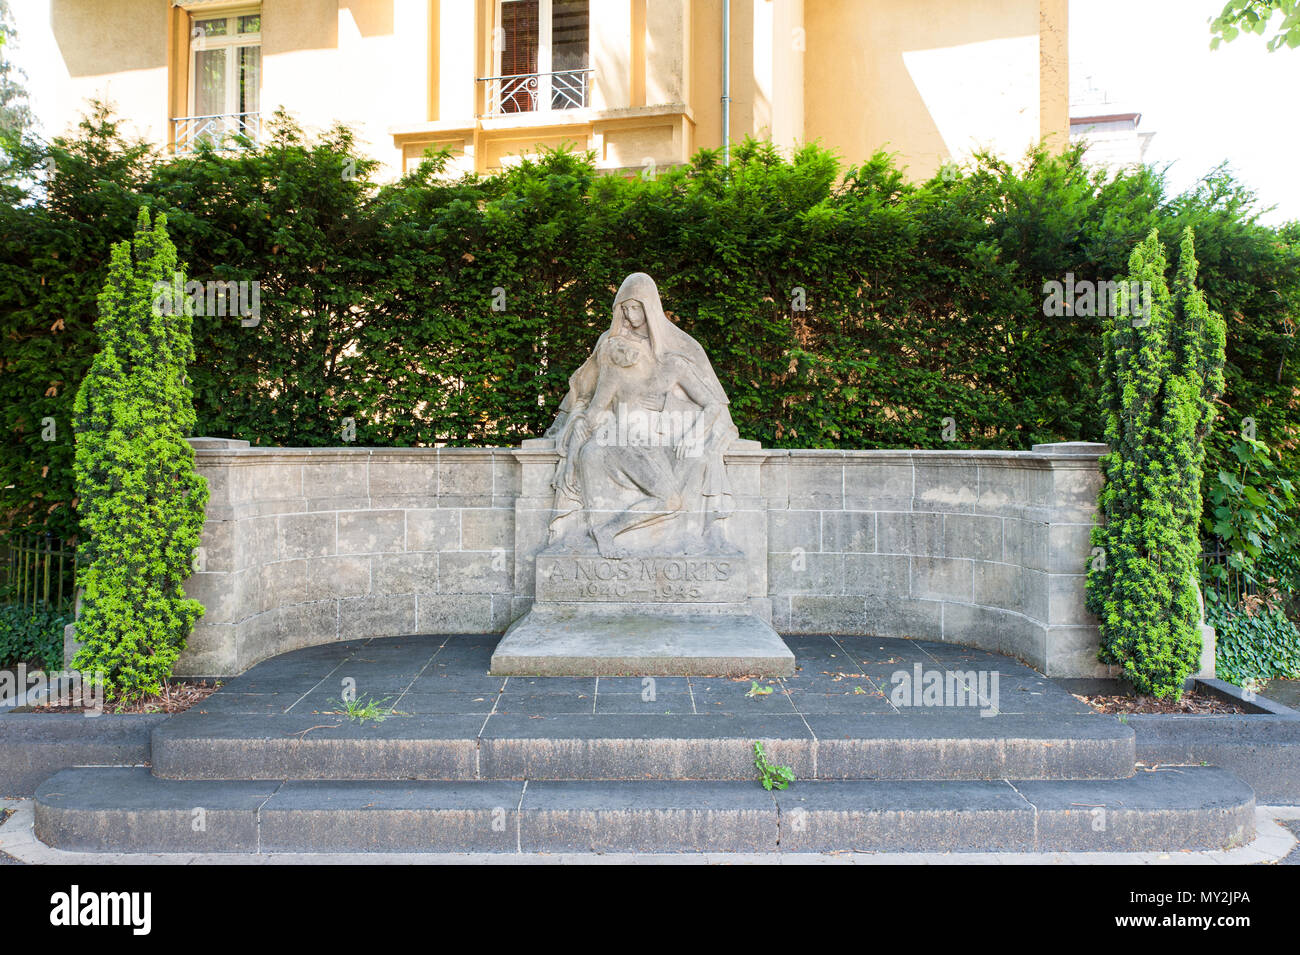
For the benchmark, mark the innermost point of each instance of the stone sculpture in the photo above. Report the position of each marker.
(641, 436)
(637, 574)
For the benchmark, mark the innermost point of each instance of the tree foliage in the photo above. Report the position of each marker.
(1257, 16)
(1162, 370)
(140, 500)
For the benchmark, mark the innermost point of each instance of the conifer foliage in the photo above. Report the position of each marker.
(141, 501)
(1162, 370)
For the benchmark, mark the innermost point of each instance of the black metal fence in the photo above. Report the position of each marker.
(37, 568)
(1219, 576)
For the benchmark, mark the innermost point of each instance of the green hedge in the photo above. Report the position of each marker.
(924, 301)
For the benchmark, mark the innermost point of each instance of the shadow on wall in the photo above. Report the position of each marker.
(372, 17)
(116, 36)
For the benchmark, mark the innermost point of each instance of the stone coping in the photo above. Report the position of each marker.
(218, 450)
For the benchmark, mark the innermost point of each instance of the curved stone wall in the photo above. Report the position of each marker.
(982, 548)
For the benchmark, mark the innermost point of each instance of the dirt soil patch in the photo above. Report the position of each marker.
(176, 697)
(1194, 704)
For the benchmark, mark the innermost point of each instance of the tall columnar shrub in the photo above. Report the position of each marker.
(1162, 370)
(141, 502)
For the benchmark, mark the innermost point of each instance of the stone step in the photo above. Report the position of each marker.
(639, 747)
(128, 809)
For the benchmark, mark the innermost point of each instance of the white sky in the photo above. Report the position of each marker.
(1238, 103)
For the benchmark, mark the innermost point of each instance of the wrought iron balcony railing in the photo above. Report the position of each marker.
(219, 129)
(533, 92)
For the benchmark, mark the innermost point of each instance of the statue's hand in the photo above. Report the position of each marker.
(689, 447)
(581, 429)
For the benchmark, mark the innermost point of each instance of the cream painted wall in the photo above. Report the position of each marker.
(928, 79)
(360, 62)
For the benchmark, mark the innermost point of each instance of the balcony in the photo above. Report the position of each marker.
(537, 92)
(219, 129)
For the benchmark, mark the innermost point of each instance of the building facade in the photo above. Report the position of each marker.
(637, 82)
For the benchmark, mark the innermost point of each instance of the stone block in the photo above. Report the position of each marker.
(487, 528)
(883, 574)
(998, 631)
(941, 578)
(909, 532)
(774, 480)
(1066, 600)
(532, 525)
(404, 573)
(1071, 653)
(1069, 548)
(433, 529)
(999, 585)
(287, 628)
(210, 650)
(849, 532)
(1074, 489)
(396, 477)
(974, 536)
(372, 532)
(268, 481)
(816, 483)
(788, 530)
(457, 613)
(222, 598)
(1035, 595)
(257, 541)
(1025, 542)
(304, 535)
(475, 572)
(805, 573)
(874, 615)
(945, 486)
(218, 549)
(376, 616)
(507, 480)
(335, 485)
(877, 487)
(465, 477)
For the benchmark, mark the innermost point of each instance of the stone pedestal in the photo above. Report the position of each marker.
(577, 640)
(705, 614)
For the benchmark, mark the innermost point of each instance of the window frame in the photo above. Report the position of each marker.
(231, 43)
(545, 53)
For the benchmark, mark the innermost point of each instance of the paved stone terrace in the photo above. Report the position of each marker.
(448, 675)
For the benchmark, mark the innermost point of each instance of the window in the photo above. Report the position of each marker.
(225, 79)
(541, 56)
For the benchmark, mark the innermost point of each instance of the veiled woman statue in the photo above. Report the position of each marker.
(641, 435)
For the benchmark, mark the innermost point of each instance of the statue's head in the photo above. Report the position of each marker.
(633, 313)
